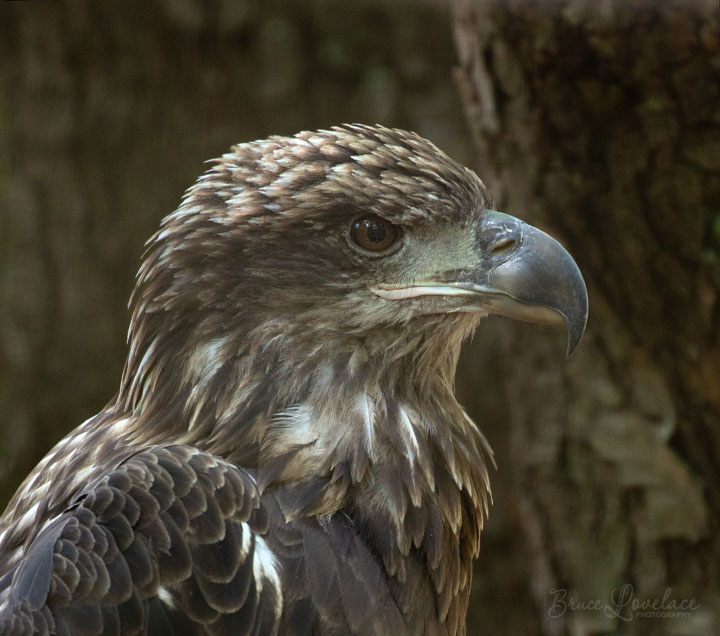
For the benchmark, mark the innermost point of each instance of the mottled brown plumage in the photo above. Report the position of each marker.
(285, 454)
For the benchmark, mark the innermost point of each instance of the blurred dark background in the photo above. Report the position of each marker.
(598, 120)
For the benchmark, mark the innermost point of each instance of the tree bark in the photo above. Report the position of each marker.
(601, 122)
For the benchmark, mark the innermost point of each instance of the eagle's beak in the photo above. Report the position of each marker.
(522, 273)
(526, 274)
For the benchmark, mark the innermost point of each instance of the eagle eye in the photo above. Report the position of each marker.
(374, 234)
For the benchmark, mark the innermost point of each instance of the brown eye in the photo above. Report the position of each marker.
(374, 234)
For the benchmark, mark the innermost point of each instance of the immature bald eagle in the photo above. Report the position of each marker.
(285, 454)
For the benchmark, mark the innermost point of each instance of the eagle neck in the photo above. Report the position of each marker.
(367, 427)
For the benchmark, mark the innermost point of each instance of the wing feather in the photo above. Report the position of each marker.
(165, 540)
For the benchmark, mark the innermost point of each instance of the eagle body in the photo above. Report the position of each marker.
(285, 454)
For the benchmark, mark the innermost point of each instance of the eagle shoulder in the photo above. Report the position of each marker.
(169, 542)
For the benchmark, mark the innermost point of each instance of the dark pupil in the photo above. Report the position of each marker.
(375, 231)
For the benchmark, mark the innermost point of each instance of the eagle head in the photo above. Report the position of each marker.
(335, 237)
(335, 248)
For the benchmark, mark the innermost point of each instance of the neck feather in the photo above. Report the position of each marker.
(321, 414)
(370, 428)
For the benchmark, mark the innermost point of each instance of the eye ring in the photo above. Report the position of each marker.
(374, 234)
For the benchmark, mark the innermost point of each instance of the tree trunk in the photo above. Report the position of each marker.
(601, 122)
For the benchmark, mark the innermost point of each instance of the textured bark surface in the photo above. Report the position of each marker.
(602, 122)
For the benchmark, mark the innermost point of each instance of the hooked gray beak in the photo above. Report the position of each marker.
(520, 272)
(530, 276)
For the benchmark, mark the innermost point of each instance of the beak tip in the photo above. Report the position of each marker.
(576, 329)
(572, 346)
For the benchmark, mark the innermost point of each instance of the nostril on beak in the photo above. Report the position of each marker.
(504, 246)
